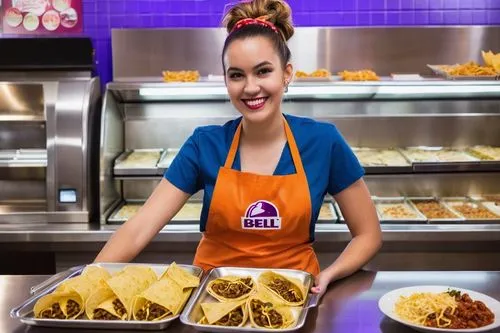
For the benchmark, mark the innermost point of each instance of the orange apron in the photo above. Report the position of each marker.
(259, 220)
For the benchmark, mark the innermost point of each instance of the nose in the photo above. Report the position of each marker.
(252, 87)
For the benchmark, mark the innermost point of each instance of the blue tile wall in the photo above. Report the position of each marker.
(100, 16)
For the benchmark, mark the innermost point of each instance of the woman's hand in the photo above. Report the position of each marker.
(321, 282)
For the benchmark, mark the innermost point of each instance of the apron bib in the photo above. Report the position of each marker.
(259, 221)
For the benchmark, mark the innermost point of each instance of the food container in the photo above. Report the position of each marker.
(473, 211)
(341, 218)
(24, 312)
(435, 211)
(435, 159)
(438, 70)
(382, 160)
(398, 210)
(327, 213)
(485, 153)
(125, 211)
(138, 162)
(192, 312)
(190, 212)
(167, 157)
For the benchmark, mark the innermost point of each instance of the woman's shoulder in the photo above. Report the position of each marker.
(215, 133)
(305, 128)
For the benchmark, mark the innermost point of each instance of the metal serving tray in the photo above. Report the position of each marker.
(24, 312)
(167, 157)
(115, 217)
(121, 169)
(383, 169)
(452, 202)
(454, 220)
(329, 206)
(192, 312)
(438, 71)
(380, 203)
(469, 162)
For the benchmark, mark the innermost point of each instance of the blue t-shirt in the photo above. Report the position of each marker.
(328, 161)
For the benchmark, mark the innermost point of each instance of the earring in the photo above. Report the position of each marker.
(286, 86)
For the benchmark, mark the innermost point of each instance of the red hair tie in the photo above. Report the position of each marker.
(244, 22)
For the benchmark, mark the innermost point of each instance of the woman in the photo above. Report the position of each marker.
(265, 174)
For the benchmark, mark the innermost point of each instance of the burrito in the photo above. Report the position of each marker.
(183, 278)
(69, 298)
(115, 300)
(162, 299)
(233, 313)
(265, 314)
(232, 288)
(290, 290)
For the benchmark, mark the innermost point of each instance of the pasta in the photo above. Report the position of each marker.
(417, 308)
(362, 75)
(181, 76)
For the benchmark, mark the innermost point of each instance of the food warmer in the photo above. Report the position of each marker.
(49, 104)
(424, 140)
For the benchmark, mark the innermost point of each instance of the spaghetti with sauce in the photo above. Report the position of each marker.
(451, 309)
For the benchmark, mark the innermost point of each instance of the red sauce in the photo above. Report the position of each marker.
(468, 314)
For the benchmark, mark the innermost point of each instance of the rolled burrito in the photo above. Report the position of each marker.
(115, 300)
(290, 291)
(69, 298)
(162, 299)
(232, 288)
(230, 314)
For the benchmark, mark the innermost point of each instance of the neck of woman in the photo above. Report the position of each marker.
(264, 133)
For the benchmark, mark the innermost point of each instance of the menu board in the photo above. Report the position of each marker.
(42, 17)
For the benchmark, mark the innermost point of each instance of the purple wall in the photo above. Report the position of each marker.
(102, 15)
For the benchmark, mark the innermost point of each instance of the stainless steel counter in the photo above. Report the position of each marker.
(349, 305)
(181, 233)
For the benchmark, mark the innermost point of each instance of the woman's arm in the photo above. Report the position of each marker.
(126, 243)
(362, 221)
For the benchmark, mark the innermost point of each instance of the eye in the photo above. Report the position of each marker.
(235, 76)
(264, 71)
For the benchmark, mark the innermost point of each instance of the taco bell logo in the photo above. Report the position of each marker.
(262, 215)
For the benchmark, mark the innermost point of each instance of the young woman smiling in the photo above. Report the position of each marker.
(264, 174)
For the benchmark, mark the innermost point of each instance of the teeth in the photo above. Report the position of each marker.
(255, 102)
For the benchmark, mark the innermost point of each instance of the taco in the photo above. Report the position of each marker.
(69, 298)
(290, 290)
(162, 299)
(265, 314)
(114, 301)
(231, 314)
(232, 288)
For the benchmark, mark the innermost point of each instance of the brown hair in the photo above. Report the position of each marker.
(277, 12)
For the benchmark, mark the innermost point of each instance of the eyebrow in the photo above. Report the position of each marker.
(264, 63)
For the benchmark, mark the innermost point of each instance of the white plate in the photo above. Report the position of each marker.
(387, 303)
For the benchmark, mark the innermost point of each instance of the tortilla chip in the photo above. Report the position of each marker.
(214, 312)
(267, 307)
(231, 279)
(295, 287)
(181, 276)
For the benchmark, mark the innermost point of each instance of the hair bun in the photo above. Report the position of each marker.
(278, 12)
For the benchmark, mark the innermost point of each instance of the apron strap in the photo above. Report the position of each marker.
(294, 150)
